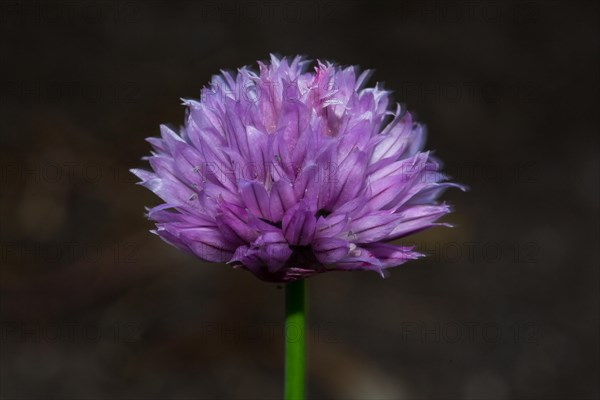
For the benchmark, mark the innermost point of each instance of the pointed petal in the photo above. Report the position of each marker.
(299, 225)
(207, 244)
(281, 199)
(330, 250)
(331, 226)
(373, 227)
(255, 197)
(274, 250)
(359, 259)
(234, 223)
(350, 178)
(390, 255)
(306, 186)
(417, 218)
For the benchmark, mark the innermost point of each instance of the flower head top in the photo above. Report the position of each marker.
(289, 173)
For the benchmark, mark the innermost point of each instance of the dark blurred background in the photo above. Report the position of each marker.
(505, 307)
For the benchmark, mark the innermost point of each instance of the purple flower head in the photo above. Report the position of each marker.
(289, 173)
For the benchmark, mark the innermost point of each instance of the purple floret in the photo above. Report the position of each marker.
(288, 173)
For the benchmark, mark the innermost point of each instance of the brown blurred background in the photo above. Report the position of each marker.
(505, 307)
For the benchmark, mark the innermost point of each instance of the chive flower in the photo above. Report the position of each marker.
(288, 172)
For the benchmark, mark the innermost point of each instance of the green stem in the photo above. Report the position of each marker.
(295, 336)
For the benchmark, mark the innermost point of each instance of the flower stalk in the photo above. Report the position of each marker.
(295, 339)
